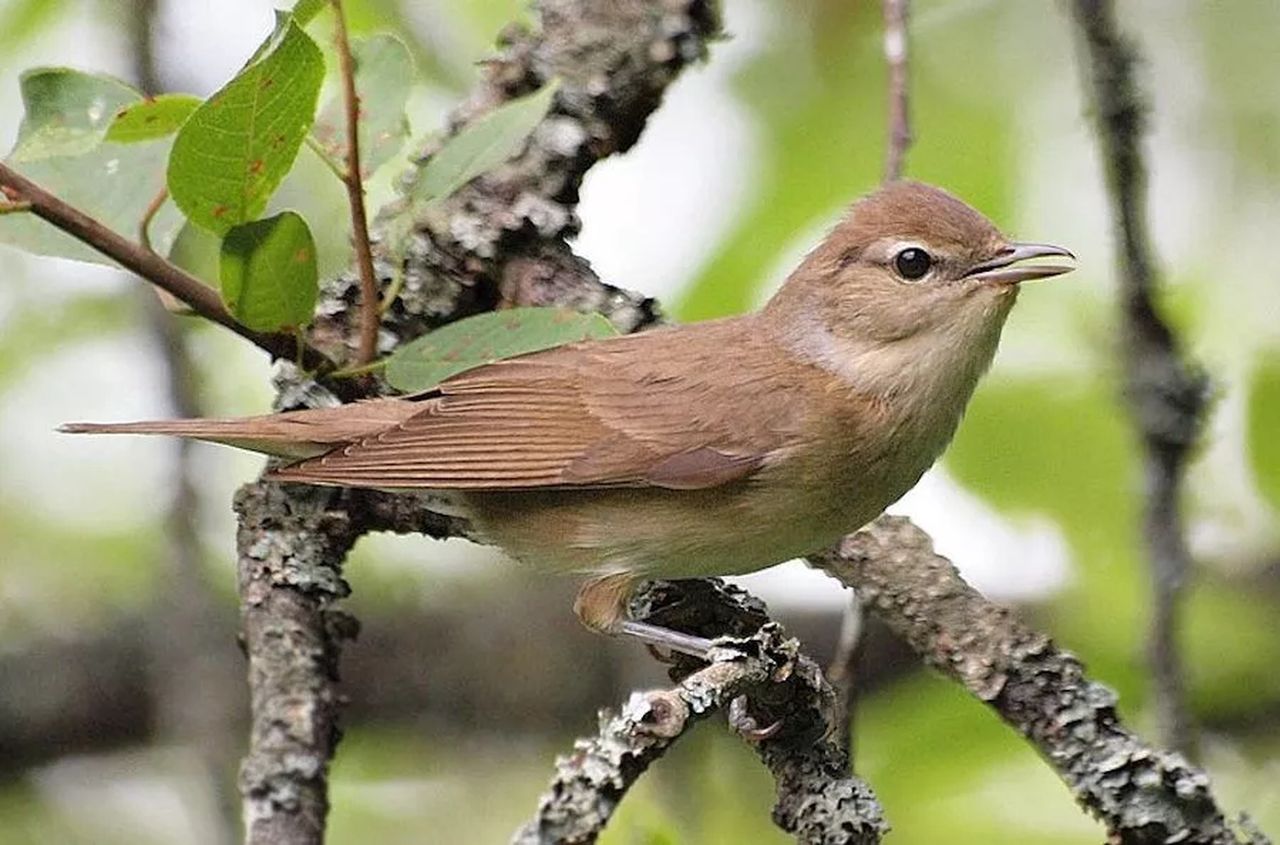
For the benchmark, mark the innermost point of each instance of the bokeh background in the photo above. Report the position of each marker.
(121, 709)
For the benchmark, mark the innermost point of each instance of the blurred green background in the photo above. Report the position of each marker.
(472, 675)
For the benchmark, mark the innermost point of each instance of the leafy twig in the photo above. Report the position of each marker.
(370, 305)
(1166, 394)
(155, 269)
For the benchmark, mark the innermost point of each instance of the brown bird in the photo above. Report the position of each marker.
(713, 448)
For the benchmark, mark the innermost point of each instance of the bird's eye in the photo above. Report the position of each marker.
(912, 263)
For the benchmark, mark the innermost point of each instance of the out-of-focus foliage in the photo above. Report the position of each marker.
(998, 120)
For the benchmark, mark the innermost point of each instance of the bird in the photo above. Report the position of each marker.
(710, 448)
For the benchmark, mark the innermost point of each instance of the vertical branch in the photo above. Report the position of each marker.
(191, 670)
(370, 312)
(292, 541)
(1166, 395)
(843, 670)
(895, 56)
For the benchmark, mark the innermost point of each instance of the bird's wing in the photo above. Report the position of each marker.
(645, 410)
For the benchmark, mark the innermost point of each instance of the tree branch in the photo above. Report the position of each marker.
(895, 56)
(292, 541)
(1143, 795)
(762, 679)
(150, 266)
(1166, 395)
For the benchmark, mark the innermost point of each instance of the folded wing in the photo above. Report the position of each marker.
(646, 410)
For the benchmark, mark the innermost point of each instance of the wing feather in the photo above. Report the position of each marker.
(645, 410)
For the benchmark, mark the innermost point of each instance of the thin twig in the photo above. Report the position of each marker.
(14, 207)
(155, 269)
(895, 56)
(843, 669)
(1165, 393)
(370, 305)
(1142, 795)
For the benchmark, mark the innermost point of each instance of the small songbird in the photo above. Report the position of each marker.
(712, 448)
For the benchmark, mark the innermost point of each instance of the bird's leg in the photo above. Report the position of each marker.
(601, 605)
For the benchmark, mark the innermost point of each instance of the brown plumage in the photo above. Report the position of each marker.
(710, 448)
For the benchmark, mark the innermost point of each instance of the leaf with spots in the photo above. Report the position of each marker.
(151, 119)
(61, 147)
(236, 148)
(268, 272)
(485, 338)
(384, 77)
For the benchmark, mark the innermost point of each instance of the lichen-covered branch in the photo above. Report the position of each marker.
(292, 541)
(1166, 395)
(772, 692)
(1143, 795)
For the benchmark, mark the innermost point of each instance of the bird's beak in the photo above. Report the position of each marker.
(1002, 270)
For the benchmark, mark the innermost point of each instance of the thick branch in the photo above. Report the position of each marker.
(1143, 795)
(292, 541)
(154, 268)
(763, 680)
(1166, 395)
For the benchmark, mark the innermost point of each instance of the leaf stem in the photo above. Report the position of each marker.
(370, 310)
(14, 207)
(363, 369)
(144, 225)
(156, 269)
(329, 161)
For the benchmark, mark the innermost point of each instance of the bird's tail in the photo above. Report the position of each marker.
(293, 434)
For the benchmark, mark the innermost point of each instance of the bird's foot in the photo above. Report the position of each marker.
(664, 638)
(746, 726)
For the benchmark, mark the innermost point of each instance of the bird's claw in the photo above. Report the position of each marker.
(746, 726)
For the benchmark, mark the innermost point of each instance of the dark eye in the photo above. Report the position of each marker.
(912, 263)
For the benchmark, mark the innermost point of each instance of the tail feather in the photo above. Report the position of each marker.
(293, 434)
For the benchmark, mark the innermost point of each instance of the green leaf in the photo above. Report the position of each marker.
(268, 272)
(67, 112)
(306, 10)
(234, 150)
(1263, 431)
(197, 251)
(151, 119)
(469, 343)
(482, 146)
(384, 77)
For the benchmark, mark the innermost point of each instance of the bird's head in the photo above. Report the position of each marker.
(911, 260)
